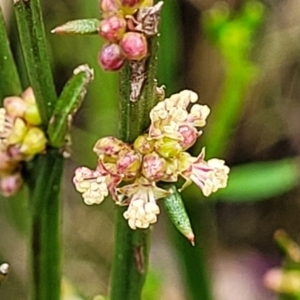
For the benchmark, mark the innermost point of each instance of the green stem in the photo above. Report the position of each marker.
(10, 82)
(132, 246)
(33, 42)
(45, 256)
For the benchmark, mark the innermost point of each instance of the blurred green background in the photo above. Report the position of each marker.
(243, 59)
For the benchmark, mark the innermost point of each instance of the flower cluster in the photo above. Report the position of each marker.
(130, 173)
(123, 29)
(20, 138)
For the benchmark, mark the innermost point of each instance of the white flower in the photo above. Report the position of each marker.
(142, 196)
(172, 113)
(92, 184)
(209, 176)
(140, 214)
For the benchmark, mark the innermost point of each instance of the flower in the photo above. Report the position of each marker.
(92, 185)
(141, 196)
(209, 176)
(170, 118)
(156, 155)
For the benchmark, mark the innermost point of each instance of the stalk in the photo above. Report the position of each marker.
(45, 255)
(45, 176)
(130, 261)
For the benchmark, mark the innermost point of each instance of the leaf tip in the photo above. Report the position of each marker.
(191, 237)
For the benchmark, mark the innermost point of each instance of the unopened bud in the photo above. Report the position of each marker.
(18, 132)
(134, 46)
(128, 165)
(28, 96)
(34, 142)
(143, 145)
(111, 58)
(129, 7)
(32, 115)
(167, 147)
(112, 28)
(108, 7)
(15, 106)
(154, 167)
(109, 147)
(147, 3)
(11, 184)
(281, 281)
(189, 136)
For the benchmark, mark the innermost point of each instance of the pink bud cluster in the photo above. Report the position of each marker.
(20, 139)
(130, 173)
(123, 42)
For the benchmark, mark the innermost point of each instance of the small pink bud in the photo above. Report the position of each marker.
(112, 28)
(134, 46)
(189, 136)
(108, 7)
(109, 147)
(154, 167)
(15, 106)
(111, 58)
(128, 165)
(11, 184)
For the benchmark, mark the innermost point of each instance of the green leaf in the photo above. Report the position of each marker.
(259, 181)
(175, 209)
(83, 27)
(10, 82)
(67, 105)
(34, 46)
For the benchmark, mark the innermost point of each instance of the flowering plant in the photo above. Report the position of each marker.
(130, 173)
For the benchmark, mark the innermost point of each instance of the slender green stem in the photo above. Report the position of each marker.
(45, 256)
(132, 246)
(10, 82)
(32, 36)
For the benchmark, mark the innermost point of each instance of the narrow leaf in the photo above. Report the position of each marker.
(83, 27)
(174, 207)
(67, 105)
(33, 42)
(258, 181)
(10, 82)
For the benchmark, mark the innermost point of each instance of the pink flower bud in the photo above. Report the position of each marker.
(10, 185)
(134, 46)
(189, 136)
(154, 167)
(112, 28)
(15, 106)
(108, 7)
(128, 165)
(111, 58)
(109, 147)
